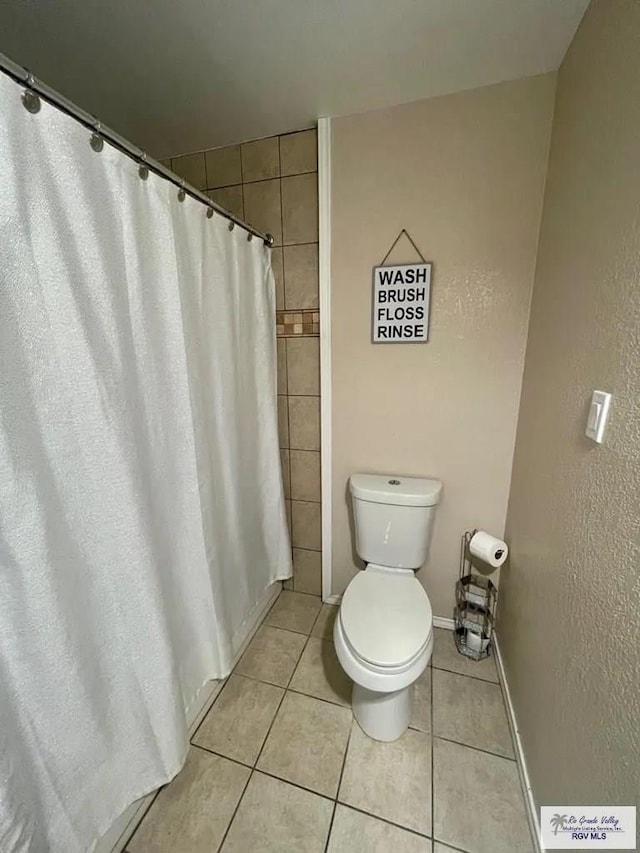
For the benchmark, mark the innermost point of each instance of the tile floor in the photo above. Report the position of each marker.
(279, 765)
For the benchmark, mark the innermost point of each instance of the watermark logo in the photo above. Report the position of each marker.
(588, 827)
(558, 821)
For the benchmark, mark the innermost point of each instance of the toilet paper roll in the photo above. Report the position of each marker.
(487, 548)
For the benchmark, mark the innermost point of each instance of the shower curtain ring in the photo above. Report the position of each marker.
(181, 192)
(249, 236)
(143, 171)
(30, 99)
(232, 225)
(269, 241)
(209, 213)
(96, 141)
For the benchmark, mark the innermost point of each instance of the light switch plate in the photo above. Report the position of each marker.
(598, 414)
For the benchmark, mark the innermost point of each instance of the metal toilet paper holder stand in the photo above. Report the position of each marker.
(474, 613)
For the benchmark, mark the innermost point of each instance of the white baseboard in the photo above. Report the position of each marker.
(529, 801)
(120, 832)
(444, 622)
(332, 599)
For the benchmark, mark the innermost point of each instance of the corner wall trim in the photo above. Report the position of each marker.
(324, 260)
(529, 801)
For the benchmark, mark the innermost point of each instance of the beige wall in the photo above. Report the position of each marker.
(273, 184)
(570, 600)
(464, 174)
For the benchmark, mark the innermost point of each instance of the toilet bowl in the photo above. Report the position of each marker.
(384, 638)
(383, 633)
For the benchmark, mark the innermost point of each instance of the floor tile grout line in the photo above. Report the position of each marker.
(300, 787)
(285, 691)
(251, 768)
(306, 643)
(384, 820)
(222, 755)
(271, 724)
(458, 742)
(315, 621)
(260, 680)
(275, 716)
(298, 692)
(288, 688)
(279, 778)
(235, 811)
(234, 670)
(266, 737)
(476, 748)
(452, 846)
(415, 728)
(190, 744)
(335, 802)
(288, 630)
(274, 775)
(333, 814)
(465, 675)
(254, 768)
(253, 678)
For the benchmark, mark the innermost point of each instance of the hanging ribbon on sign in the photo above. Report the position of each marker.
(395, 243)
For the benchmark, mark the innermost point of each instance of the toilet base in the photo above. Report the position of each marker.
(382, 716)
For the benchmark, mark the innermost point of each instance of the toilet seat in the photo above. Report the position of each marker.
(386, 619)
(377, 669)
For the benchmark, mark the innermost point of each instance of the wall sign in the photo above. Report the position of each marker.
(400, 304)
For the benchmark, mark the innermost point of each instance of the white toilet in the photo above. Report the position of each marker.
(384, 630)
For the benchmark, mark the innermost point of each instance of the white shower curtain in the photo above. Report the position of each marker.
(141, 504)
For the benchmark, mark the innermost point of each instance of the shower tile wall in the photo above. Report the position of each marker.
(272, 183)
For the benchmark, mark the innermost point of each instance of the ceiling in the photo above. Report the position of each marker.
(176, 76)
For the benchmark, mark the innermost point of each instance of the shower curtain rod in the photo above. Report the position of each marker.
(38, 89)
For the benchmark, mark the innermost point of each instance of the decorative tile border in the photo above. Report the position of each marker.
(293, 324)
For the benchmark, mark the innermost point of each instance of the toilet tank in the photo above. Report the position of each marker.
(394, 518)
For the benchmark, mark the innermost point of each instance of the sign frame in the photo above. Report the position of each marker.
(427, 302)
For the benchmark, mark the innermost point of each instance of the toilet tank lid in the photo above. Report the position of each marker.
(396, 490)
